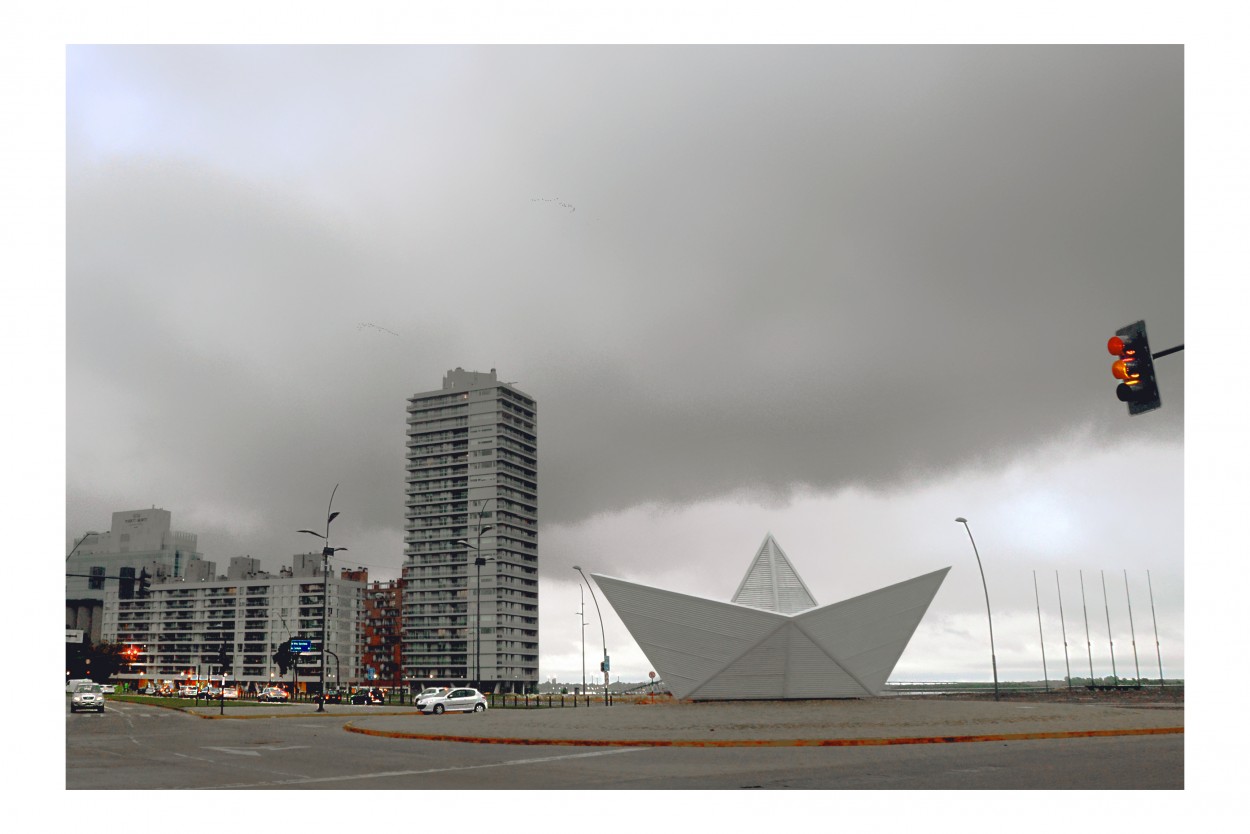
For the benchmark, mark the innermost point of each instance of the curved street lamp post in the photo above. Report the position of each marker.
(581, 618)
(478, 562)
(993, 656)
(595, 599)
(326, 553)
(79, 543)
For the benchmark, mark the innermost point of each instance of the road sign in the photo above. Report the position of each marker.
(73, 635)
(300, 645)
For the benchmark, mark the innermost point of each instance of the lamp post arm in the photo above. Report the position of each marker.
(595, 599)
(79, 544)
(985, 587)
(602, 635)
(329, 515)
(989, 616)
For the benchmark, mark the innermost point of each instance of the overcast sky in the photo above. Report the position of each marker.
(839, 294)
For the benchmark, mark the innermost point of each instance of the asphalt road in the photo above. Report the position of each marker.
(134, 746)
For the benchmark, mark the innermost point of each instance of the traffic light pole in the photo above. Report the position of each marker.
(142, 581)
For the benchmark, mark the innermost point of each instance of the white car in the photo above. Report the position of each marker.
(87, 696)
(187, 690)
(456, 700)
(108, 688)
(73, 685)
(433, 690)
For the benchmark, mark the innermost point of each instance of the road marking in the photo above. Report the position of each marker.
(394, 773)
(256, 751)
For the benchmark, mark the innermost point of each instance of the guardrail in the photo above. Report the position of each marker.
(974, 688)
(550, 701)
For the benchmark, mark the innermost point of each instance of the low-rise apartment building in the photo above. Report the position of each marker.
(177, 631)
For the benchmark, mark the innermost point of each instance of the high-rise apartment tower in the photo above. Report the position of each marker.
(470, 599)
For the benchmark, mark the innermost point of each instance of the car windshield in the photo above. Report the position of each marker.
(87, 687)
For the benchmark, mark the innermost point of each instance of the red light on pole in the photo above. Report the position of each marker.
(1134, 368)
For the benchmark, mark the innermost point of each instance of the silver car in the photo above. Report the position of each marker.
(87, 696)
(457, 700)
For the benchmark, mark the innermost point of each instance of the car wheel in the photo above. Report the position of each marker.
(479, 707)
(71, 709)
(438, 709)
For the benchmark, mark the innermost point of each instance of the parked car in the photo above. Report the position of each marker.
(273, 693)
(87, 696)
(230, 693)
(150, 689)
(187, 690)
(72, 686)
(367, 696)
(108, 688)
(456, 700)
(332, 696)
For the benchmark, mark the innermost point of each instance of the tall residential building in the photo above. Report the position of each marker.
(471, 513)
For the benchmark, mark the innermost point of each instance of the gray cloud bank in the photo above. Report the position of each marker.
(788, 268)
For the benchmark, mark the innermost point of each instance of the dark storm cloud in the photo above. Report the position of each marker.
(788, 267)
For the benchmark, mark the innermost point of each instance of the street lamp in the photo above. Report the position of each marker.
(79, 543)
(993, 657)
(595, 599)
(326, 553)
(581, 618)
(478, 561)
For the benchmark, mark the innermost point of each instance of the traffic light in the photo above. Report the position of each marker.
(223, 659)
(145, 584)
(283, 657)
(1134, 367)
(126, 583)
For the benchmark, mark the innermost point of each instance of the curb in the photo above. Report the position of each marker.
(267, 715)
(795, 742)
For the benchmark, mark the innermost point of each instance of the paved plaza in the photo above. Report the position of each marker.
(666, 721)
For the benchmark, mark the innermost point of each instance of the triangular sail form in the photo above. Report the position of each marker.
(772, 583)
(709, 650)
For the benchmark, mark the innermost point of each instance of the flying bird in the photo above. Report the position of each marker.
(363, 325)
(555, 200)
